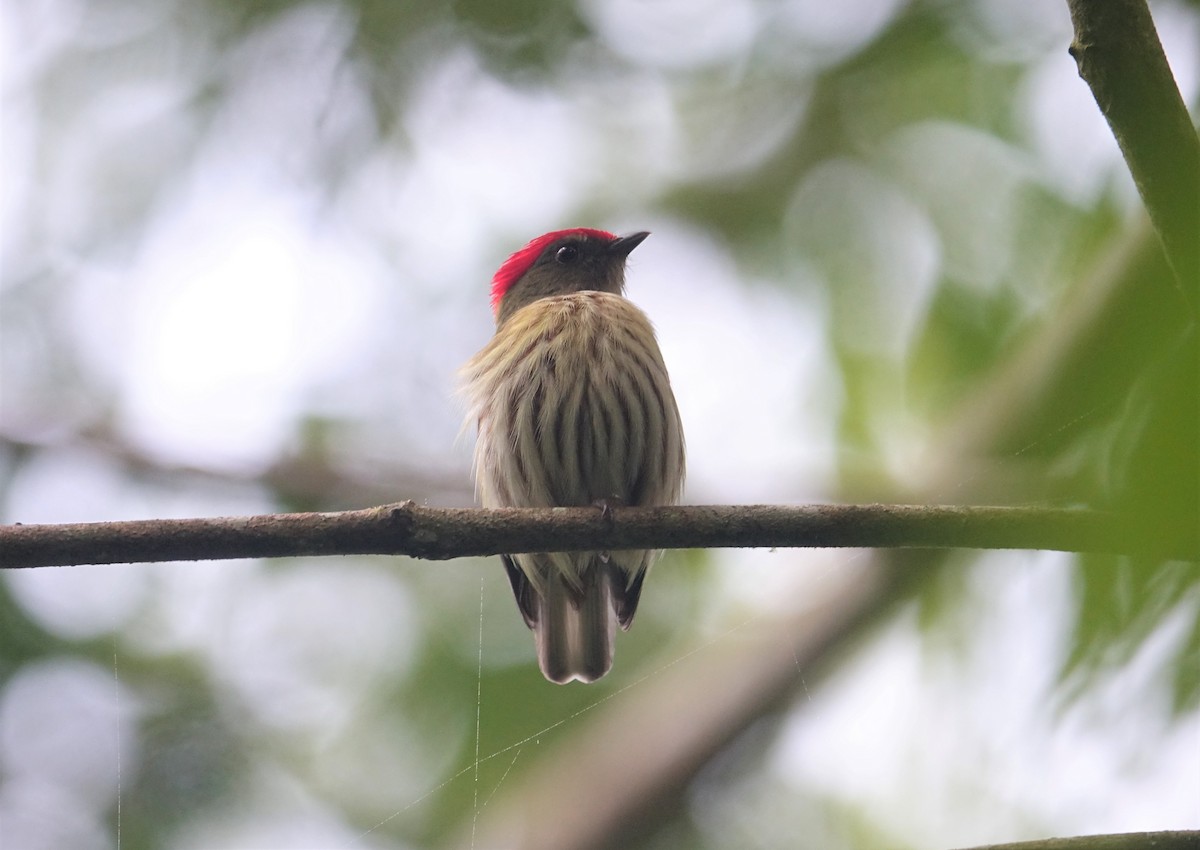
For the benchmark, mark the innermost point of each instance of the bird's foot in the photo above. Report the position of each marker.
(606, 506)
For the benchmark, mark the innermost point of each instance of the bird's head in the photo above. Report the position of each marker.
(559, 263)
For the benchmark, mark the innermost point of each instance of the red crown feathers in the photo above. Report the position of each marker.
(520, 261)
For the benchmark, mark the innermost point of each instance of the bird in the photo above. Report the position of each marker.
(573, 406)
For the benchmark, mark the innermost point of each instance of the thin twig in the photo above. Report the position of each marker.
(409, 529)
(1180, 840)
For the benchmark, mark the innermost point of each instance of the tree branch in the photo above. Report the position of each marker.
(1120, 57)
(1181, 840)
(409, 529)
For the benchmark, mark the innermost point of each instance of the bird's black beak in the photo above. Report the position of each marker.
(621, 246)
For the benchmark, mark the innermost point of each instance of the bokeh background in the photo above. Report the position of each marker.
(246, 246)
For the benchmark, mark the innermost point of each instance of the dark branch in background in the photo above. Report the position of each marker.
(440, 533)
(313, 479)
(1121, 59)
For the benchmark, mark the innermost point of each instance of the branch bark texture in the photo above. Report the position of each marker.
(409, 529)
(1120, 57)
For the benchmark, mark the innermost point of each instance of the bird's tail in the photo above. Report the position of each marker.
(574, 626)
(575, 630)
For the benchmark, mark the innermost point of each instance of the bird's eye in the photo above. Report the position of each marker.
(567, 254)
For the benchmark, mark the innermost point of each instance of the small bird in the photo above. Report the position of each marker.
(573, 407)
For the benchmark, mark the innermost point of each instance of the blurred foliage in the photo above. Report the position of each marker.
(887, 174)
(1122, 602)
